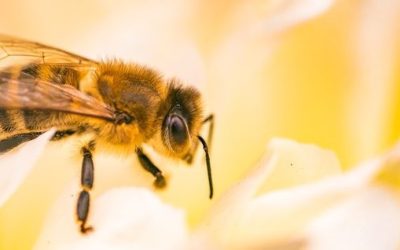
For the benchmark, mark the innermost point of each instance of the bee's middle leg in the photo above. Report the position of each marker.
(87, 178)
(148, 165)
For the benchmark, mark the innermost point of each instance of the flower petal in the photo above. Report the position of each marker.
(299, 164)
(224, 219)
(368, 220)
(123, 218)
(390, 174)
(278, 15)
(240, 221)
(373, 93)
(16, 165)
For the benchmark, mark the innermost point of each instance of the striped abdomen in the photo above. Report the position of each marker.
(15, 121)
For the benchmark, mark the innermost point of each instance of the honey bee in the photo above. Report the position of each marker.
(122, 105)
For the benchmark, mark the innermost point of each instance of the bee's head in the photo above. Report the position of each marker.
(181, 116)
(180, 120)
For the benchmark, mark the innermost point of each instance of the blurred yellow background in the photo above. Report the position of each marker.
(331, 80)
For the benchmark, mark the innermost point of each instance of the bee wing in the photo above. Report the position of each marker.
(29, 93)
(15, 51)
(41, 95)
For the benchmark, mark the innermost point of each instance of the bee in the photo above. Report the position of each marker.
(121, 105)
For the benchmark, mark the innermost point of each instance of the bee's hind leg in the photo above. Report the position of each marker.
(146, 163)
(87, 178)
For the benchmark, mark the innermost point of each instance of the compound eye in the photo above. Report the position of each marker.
(178, 131)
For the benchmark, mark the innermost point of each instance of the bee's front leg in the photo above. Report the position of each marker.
(87, 178)
(153, 169)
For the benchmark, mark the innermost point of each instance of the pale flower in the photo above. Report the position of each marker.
(16, 165)
(346, 211)
(315, 71)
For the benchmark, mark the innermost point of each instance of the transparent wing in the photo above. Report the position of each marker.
(15, 51)
(41, 95)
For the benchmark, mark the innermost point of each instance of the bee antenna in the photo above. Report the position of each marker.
(205, 148)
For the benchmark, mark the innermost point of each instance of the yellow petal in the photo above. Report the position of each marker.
(372, 96)
(390, 174)
(299, 164)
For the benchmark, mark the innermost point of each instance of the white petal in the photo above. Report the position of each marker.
(224, 221)
(369, 220)
(16, 165)
(123, 218)
(240, 220)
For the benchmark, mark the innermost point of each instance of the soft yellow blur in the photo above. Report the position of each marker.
(307, 83)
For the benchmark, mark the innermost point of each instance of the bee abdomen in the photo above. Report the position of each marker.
(15, 140)
(37, 119)
(51, 73)
(7, 124)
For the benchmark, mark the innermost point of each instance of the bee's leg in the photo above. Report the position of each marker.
(87, 178)
(146, 163)
(210, 119)
(189, 157)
